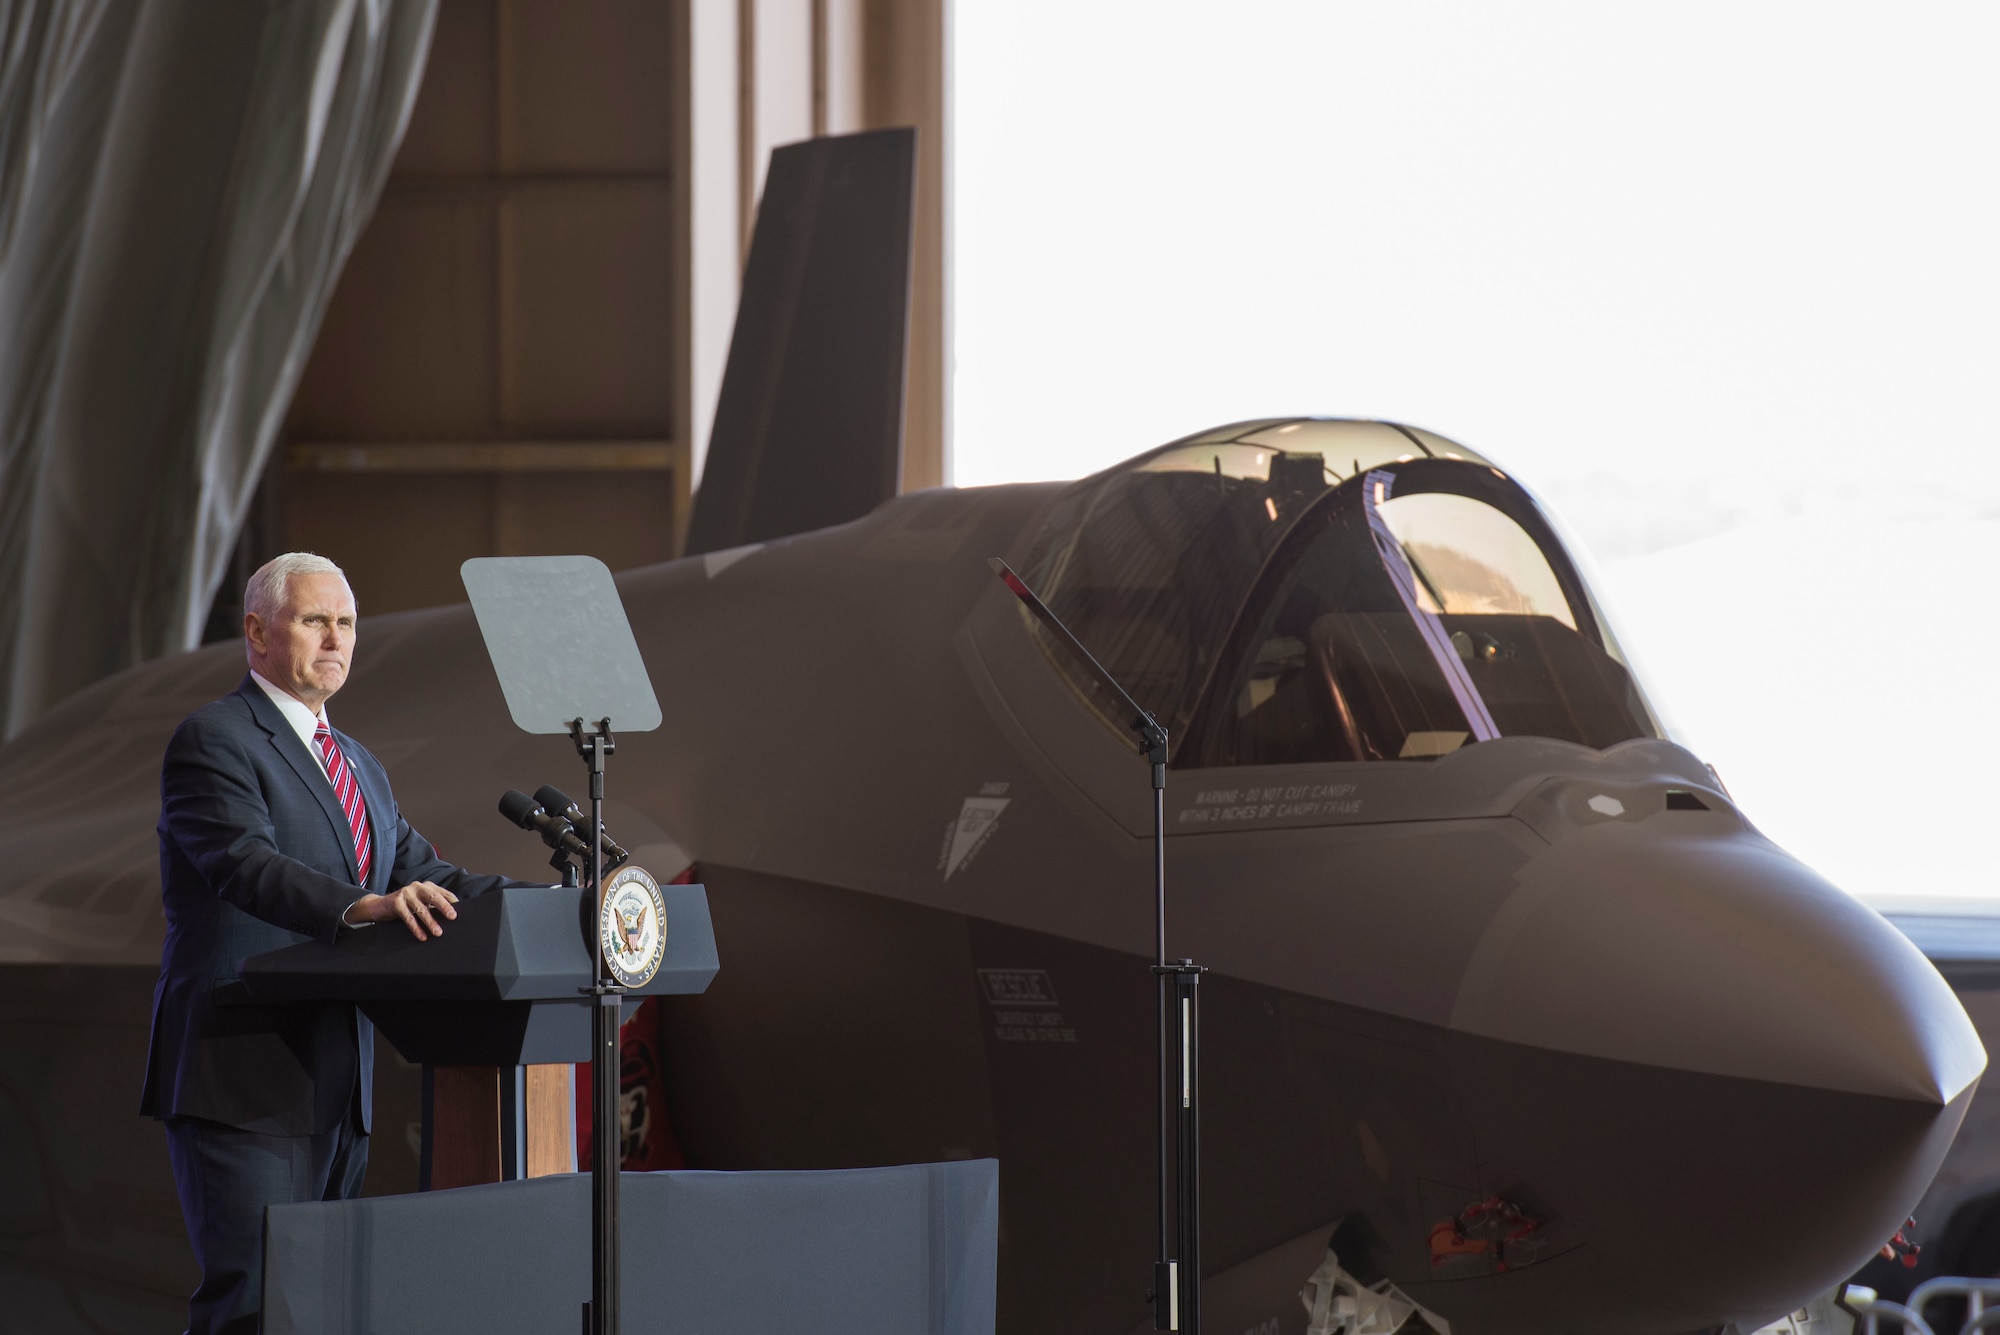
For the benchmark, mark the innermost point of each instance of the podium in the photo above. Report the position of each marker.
(497, 1011)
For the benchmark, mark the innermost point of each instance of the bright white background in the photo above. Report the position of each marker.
(1719, 281)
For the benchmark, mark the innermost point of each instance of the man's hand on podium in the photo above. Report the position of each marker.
(418, 904)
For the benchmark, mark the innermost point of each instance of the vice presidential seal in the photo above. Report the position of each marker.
(632, 926)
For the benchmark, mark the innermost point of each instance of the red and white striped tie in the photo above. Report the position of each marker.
(348, 791)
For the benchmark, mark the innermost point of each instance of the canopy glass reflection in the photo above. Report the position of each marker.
(1308, 591)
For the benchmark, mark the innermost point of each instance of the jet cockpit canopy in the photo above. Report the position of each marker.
(1305, 590)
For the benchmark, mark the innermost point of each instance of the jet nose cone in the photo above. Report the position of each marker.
(1695, 1056)
(1688, 942)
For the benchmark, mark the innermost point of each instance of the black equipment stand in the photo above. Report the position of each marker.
(564, 652)
(1176, 1280)
(600, 1314)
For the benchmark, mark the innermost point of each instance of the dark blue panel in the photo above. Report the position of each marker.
(907, 1250)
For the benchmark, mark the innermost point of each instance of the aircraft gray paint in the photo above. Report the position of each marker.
(1958, 1219)
(1571, 977)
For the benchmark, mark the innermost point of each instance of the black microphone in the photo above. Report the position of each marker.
(555, 800)
(518, 807)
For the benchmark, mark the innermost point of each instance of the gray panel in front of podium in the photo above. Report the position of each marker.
(908, 1250)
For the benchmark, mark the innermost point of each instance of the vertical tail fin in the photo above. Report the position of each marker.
(809, 425)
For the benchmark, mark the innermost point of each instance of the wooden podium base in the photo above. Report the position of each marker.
(496, 1123)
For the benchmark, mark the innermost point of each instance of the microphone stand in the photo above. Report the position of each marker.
(600, 1314)
(565, 867)
(1176, 1281)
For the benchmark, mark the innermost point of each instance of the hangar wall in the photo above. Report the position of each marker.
(493, 376)
(523, 352)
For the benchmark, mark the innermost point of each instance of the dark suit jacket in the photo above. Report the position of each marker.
(255, 855)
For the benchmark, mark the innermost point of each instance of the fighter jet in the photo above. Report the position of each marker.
(1510, 1009)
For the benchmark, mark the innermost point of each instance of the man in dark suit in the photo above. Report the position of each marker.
(274, 830)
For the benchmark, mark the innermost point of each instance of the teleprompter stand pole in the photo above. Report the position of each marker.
(1176, 1280)
(568, 664)
(600, 1314)
(1185, 977)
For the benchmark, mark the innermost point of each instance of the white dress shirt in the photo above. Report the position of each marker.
(297, 713)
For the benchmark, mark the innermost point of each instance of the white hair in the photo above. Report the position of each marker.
(264, 596)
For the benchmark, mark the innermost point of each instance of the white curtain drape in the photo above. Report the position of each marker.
(179, 186)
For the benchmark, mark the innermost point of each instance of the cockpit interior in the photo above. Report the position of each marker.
(1306, 591)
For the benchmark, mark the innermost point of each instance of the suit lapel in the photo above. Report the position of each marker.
(301, 760)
